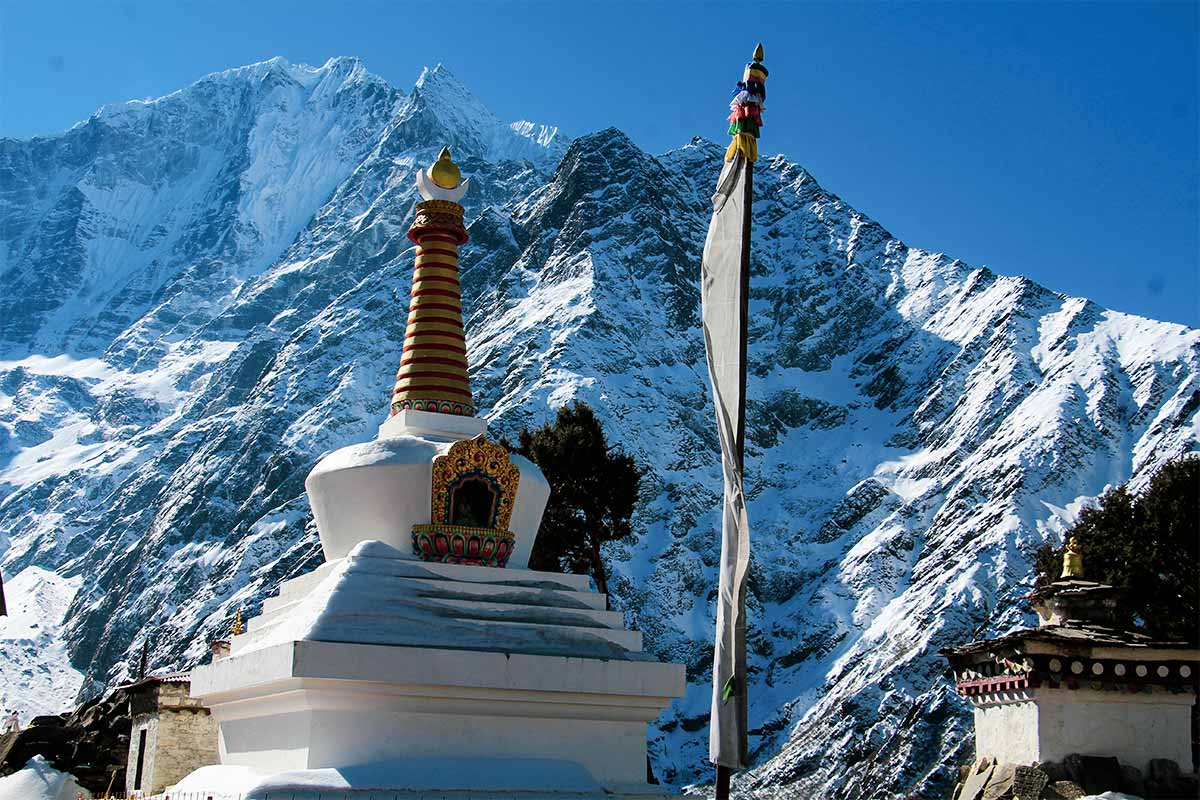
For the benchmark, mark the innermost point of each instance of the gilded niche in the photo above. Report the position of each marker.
(474, 488)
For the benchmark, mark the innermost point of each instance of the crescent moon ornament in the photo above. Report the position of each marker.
(442, 180)
(431, 191)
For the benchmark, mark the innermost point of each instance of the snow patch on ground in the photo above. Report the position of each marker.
(40, 781)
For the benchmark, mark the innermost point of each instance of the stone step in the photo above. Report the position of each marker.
(413, 568)
(301, 585)
(547, 614)
(466, 597)
(520, 595)
(629, 640)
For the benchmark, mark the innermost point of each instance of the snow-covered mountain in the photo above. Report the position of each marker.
(201, 294)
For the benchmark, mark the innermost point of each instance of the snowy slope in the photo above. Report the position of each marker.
(185, 336)
(38, 678)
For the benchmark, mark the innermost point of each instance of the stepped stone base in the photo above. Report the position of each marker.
(448, 678)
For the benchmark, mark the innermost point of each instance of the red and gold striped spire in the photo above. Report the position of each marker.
(433, 366)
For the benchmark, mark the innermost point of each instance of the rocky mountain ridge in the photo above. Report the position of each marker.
(204, 293)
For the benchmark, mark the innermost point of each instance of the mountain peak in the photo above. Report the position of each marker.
(450, 99)
(339, 68)
(447, 112)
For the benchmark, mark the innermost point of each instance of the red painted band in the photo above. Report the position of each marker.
(449, 362)
(453, 348)
(414, 318)
(436, 251)
(435, 279)
(438, 292)
(432, 306)
(402, 375)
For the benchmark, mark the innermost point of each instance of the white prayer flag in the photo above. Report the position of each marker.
(723, 279)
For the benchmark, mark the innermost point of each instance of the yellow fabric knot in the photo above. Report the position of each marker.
(745, 144)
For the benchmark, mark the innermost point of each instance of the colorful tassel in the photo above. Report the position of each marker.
(745, 144)
(745, 110)
(744, 126)
(748, 111)
(750, 88)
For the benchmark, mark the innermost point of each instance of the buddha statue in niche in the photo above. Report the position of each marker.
(474, 487)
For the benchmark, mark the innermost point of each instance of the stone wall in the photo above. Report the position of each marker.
(187, 740)
(180, 737)
(177, 695)
(147, 723)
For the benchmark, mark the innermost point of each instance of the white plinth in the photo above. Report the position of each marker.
(432, 425)
(312, 705)
(454, 678)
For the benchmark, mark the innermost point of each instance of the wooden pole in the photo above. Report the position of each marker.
(724, 773)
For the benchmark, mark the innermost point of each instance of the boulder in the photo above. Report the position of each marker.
(1029, 783)
(973, 789)
(1095, 774)
(1001, 784)
(1132, 781)
(1069, 790)
(1165, 780)
(1054, 771)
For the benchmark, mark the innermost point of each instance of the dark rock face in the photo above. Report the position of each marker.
(91, 744)
(214, 285)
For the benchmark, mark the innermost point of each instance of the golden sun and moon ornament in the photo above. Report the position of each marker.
(442, 180)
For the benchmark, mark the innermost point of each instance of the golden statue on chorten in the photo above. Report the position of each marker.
(1072, 560)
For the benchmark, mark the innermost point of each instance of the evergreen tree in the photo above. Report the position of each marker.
(593, 489)
(1147, 544)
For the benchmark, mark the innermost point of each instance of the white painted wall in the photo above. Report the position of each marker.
(1050, 724)
(375, 490)
(1133, 727)
(1008, 732)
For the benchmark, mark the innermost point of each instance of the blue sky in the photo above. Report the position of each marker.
(1055, 141)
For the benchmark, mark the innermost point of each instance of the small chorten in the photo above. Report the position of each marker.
(1080, 682)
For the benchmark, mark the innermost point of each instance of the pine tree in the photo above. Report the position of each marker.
(593, 489)
(1147, 544)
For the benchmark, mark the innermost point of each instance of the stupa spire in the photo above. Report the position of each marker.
(433, 364)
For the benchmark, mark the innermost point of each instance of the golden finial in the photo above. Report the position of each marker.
(445, 172)
(238, 628)
(1072, 560)
(758, 52)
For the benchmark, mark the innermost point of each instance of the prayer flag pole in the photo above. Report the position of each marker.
(725, 295)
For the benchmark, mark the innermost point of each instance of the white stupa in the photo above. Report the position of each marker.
(424, 657)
